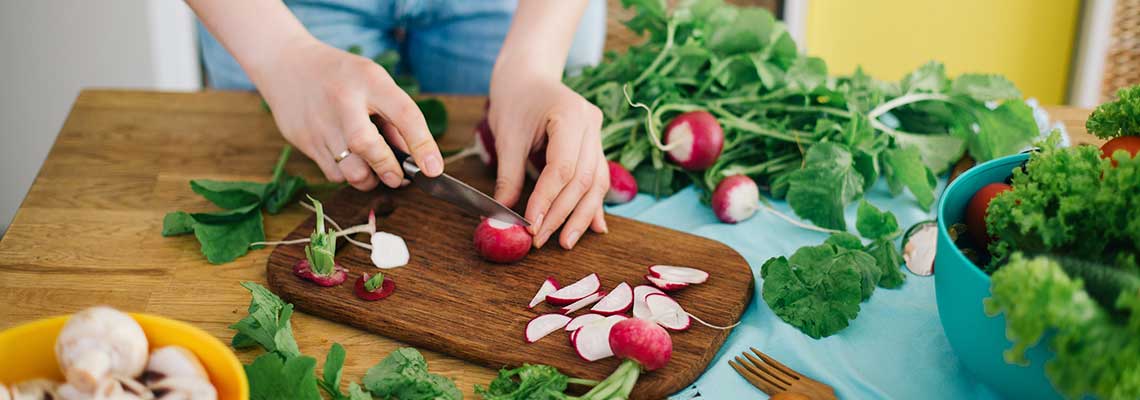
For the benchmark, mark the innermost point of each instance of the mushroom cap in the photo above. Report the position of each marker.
(99, 343)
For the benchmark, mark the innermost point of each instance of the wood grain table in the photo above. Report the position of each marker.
(88, 231)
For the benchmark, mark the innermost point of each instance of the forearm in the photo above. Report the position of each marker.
(256, 32)
(540, 37)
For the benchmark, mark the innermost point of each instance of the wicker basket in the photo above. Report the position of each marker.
(1122, 63)
(618, 37)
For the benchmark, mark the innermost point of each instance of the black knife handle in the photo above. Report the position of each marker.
(405, 161)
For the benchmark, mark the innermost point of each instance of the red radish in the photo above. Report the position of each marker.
(640, 310)
(643, 345)
(667, 312)
(583, 319)
(576, 291)
(735, 199)
(618, 301)
(501, 242)
(976, 211)
(678, 274)
(622, 185)
(582, 303)
(485, 144)
(592, 341)
(548, 286)
(1130, 144)
(377, 293)
(665, 284)
(388, 251)
(694, 140)
(304, 270)
(574, 336)
(919, 249)
(543, 324)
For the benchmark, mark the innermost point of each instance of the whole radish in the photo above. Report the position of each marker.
(622, 185)
(643, 345)
(501, 242)
(694, 140)
(735, 199)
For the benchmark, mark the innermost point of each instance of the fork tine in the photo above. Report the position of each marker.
(783, 368)
(755, 380)
(763, 373)
(773, 371)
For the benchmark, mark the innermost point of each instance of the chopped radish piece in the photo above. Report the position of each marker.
(501, 242)
(305, 270)
(665, 284)
(576, 291)
(618, 301)
(548, 286)
(622, 185)
(574, 335)
(735, 199)
(666, 312)
(583, 319)
(542, 325)
(361, 288)
(919, 248)
(389, 251)
(678, 274)
(639, 293)
(593, 339)
(583, 303)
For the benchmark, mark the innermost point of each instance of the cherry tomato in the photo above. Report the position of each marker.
(1131, 144)
(976, 211)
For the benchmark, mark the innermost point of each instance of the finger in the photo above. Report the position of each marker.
(397, 109)
(571, 197)
(562, 158)
(599, 223)
(365, 142)
(357, 172)
(392, 135)
(511, 173)
(585, 212)
(320, 154)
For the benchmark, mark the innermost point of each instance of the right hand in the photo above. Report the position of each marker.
(322, 98)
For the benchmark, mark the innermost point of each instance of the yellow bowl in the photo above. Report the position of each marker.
(28, 351)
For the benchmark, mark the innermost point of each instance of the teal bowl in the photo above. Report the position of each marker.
(960, 287)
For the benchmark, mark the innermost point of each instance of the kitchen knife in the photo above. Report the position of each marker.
(454, 191)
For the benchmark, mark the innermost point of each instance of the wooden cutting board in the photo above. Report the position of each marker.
(449, 300)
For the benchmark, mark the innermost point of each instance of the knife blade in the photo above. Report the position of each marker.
(454, 191)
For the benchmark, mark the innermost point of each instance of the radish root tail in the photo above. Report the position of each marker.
(648, 121)
(345, 233)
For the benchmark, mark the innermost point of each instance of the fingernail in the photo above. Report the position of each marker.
(605, 226)
(536, 224)
(572, 239)
(390, 179)
(541, 238)
(433, 164)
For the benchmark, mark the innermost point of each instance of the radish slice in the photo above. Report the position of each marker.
(574, 336)
(618, 301)
(585, 301)
(665, 284)
(666, 312)
(678, 274)
(583, 319)
(919, 248)
(639, 293)
(542, 325)
(389, 251)
(576, 291)
(548, 286)
(592, 343)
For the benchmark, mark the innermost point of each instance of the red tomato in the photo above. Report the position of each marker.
(1131, 144)
(976, 211)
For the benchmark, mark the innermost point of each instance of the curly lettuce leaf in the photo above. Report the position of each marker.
(1117, 118)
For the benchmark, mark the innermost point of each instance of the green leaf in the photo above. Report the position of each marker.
(937, 151)
(225, 216)
(740, 30)
(888, 260)
(280, 194)
(435, 113)
(267, 323)
(334, 362)
(904, 168)
(820, 191)
(1117, 118)
(229, 195)
(845, 240)
(1002, 131)
(816, 290)
(931, 77)
(271, 378)
(875, 224)
(404, 375)
(177, 223)
(225, 242)
(357, 393)
(656, 182)
(374, 282)
(983, 87)
(807, 73)
(388, 60)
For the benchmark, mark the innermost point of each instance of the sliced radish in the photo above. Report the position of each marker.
(665, 284)
(583, 303)
(574, 336)
(548, 286)
(583, 319)
(592, 342)
(639, 293)
(576, 291)
(618, 301)
(543, 324)
(666, 312)
(919, 248)
(389, 251)
(678, 274)
(360, 288)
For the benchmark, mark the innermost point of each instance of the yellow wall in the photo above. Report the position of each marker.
(1028, 41)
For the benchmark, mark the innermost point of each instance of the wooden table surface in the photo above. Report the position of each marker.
(89, 230)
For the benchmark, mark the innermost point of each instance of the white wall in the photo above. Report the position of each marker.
(50, 49)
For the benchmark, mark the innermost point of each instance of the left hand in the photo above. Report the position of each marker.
(530, 112)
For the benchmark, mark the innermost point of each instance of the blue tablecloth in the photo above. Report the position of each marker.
(894, 349)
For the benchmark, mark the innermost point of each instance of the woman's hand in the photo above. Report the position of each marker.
(537, 113)
(322, 98)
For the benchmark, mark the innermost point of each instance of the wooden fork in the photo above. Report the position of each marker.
(772, 377)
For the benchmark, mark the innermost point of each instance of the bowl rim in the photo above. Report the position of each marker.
(943, 232)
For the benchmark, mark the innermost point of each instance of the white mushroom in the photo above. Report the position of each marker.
(4, 393)
(174, 373)
(184, 388)
(98, 344)
(35, 389)
(109, 389)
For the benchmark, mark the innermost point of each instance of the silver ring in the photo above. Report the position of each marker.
(343, 155)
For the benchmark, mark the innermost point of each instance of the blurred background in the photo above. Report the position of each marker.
(1058, 51)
